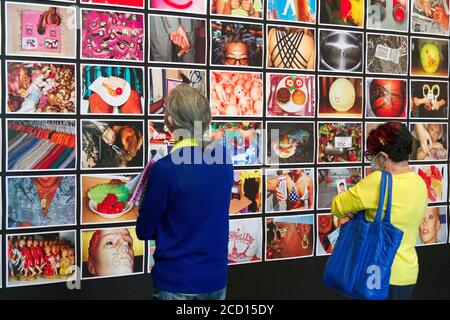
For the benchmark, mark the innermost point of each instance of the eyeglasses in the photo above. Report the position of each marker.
(234, 61)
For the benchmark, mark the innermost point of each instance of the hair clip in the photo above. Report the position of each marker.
(382, 141)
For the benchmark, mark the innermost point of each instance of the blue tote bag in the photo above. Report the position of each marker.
(360, 265)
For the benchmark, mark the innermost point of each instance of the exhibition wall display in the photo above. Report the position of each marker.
(80, 78)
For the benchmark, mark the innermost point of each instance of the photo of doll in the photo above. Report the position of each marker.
(430, 141)
(433, 228)
(292, 10)
(238, 8)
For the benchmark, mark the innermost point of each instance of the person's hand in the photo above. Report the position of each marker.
(440, 17)
(235, 4)
(425, 5)
(247, 5)
(180, 38)
(424, 138)
(437, 145)
(278, 195)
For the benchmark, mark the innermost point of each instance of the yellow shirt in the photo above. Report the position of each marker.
(409, 203)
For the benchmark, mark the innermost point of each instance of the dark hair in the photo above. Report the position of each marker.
(393, 138)
(341, 184)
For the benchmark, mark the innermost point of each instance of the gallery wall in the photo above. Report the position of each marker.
(294, 88)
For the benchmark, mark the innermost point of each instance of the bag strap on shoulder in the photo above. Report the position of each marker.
(382, 196)
(387, 216)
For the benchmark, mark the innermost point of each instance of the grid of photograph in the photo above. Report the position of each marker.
(294, 86)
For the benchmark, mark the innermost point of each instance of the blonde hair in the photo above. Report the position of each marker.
(187, 106)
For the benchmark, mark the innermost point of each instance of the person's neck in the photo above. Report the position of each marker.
(399, 167)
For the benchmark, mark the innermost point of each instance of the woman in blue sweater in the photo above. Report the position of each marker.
(186, 204)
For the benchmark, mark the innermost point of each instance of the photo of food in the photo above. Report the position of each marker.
(111, 252)
(40, 201)
(177, 39)
(430, 17)
(246, 193)
(112, 35)
(390, 15)
(163, 80)
(161, 140)
(243, 140)
(436, 135)
(40, 30)
(342, 12)
(117, 3)
(386, 54)
(292, 10)
(328, 229)
(245, 241)
(340, 97)
(236, 44)
(429, 99)
(107, 198)
(435, 177)
(112, 90)
(434, 227)
(41, 258)
(340, 51)
(289, 190)
(112, 144)
(238, 8)
(339, 142)
(429, 57)
(386, 98)
(291, 48)
(236, 93)
(188, 6)
(333, 181)
(289, 237)
(290, 95)
(290, 142)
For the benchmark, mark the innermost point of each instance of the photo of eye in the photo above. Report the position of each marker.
(246, 193)
(236, 93)
(342, 12)
(188, 6)
(436, 147)
(292, 10)
(387, 54)
(341, 51)
(386, 98)
(340, 97)
(289, 237)
(236, 44)
(430, 16)
(435, 177)
(339, 142)
(429, 99)
(388, 15)
(291, 48)
(245, 241)
(177, 39)
(429, 57)
(238, 8)
(290, 142)
(434, 227)
(161, 140)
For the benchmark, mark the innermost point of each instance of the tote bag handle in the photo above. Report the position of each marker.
(387, 217)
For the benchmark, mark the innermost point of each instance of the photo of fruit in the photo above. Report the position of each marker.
(429, 57)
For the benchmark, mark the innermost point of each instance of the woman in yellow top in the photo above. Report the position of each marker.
(388, 149)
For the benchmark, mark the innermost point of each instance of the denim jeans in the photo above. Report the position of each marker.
(400, 292)
(165, 295)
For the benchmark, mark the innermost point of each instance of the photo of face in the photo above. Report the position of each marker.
(339, 142)
(41, 144)
(238, 8)
(41, 201)
(340, 97)
(289, 190)
(177, 39)
(246, 193)
(289, 237)
(290, 142)
(386, 98)
(40, 30)
(35, 87)
(340, 51)
(112, 35)
(435, 134)
(236, 93)
(236, 44)
(112, 144)
(435, 178)
(119, 3)
(111, 252)
(387, 54)
(245, 241)
(291, 48)
(430, 17)
(41, 258)
(388, 15)
(429, 57)
(164, 80)
(293, 11)
(429, 99)
(328, 229)
(112, 90)
(333, 181)
(161, 140)
(342, 12)
(433, 227)
(290, 95)
(241, 139)
(191, 6)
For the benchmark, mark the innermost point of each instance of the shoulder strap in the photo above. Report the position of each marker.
(381, 197)
(387, 216)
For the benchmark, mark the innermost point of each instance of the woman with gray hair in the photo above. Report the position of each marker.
(185, 206)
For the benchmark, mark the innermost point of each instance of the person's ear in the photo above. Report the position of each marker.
(91, 267)
(438, 224)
